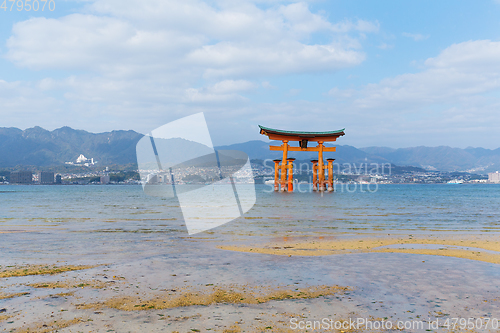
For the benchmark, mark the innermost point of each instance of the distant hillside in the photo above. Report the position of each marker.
(345, 154)
(39, 147)
(474, 160)
(42, 148)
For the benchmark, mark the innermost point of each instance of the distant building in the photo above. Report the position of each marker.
(58, 179)
(105, 179)
(21, 177)
(494, 177)
(82, 160)
(46, 177)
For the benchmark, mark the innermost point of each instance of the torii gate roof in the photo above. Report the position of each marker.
(275, 134)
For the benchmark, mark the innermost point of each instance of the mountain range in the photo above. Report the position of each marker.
(39, 147)
(442, 158)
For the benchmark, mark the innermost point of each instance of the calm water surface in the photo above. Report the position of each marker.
(96, 222)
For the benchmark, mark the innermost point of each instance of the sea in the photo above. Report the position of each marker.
(97, 222)
(145, 239)
(117, 211)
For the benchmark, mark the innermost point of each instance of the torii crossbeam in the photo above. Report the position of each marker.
(283, 172)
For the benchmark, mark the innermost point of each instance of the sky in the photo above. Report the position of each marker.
(392, 73)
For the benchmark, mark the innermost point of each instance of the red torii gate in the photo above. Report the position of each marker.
(283, 172)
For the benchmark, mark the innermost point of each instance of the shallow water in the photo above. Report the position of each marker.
(113, 222)
(144, 239)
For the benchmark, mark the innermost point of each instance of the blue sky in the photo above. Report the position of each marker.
(393, 73)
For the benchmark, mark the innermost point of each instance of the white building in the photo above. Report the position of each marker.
(82, 160)
(494, 177)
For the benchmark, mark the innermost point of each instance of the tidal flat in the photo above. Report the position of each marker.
(104, 259)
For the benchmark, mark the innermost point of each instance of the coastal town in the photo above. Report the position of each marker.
(260, 173)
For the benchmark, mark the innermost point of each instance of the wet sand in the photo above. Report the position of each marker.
(224, 288)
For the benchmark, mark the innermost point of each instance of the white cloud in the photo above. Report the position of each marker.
(132, 65)
(294, 92)
(300, 20)
(203, 96)
(384, 46)
(230, 86)
(235, 60)
(138, 66)
(22, 103)
(460, 71)
(415, 37)
(186, 39)
(457, 91)
(221, 92)
(100, 44)
(267, 85)
(360, 25)
(472, 56)
(344, 93)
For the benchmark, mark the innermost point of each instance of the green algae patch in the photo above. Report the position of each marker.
(4, 317)
(49, 326)
(7, 296)
(41, 270)
(214, 295)
(69, 284)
